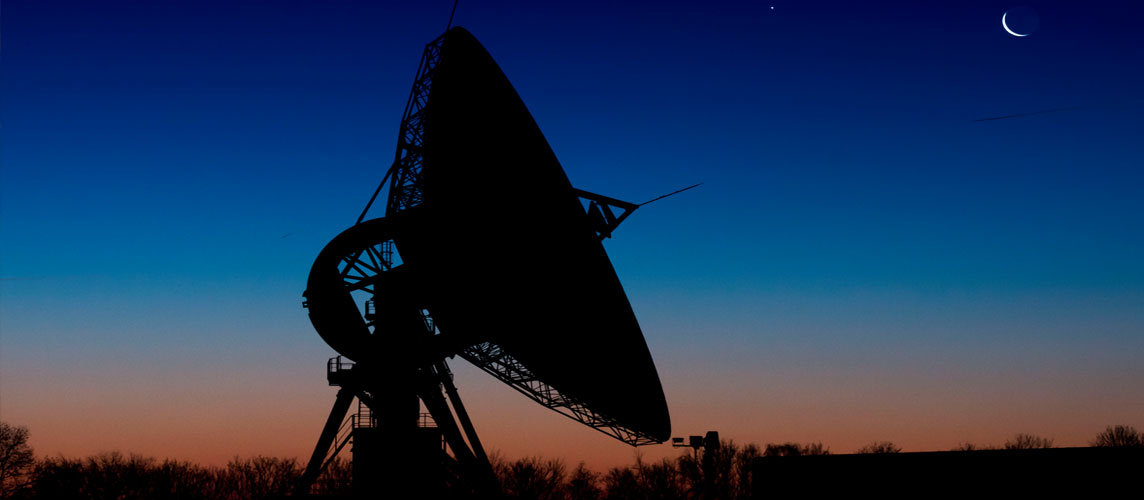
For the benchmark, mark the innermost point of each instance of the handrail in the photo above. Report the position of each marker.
(337, 364)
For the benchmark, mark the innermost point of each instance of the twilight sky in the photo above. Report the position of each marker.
(865, 261)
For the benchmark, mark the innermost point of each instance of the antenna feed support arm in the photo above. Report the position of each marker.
(602, 212)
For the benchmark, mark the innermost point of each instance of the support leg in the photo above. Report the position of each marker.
(462, 415)
(329, 433)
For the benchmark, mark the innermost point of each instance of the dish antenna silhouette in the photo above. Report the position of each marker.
(486, 252)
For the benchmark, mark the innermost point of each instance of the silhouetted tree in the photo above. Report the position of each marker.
(1118, 436)
(112, 475)
(620, 483)
(1027, 442)
(260, 477)
(744, 467)
(16, 460)
(115, 476)
(660, 480)
(879, 447)
(120, 477)
(690, 473)
(584, 484)
(184, 480)
(722, 473)
(722, 470)
(335, 479)
(60, 478)
(531, 478)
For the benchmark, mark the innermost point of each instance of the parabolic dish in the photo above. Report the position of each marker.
(517, 262)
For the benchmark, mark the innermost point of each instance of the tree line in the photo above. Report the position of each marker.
(723, 473)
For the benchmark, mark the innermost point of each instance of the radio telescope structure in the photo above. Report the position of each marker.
(485, 252)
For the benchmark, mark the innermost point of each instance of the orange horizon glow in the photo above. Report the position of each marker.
(215, 422)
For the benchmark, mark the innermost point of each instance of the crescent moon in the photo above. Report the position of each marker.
(1006, 26)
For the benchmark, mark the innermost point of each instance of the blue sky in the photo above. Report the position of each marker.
(169, 170)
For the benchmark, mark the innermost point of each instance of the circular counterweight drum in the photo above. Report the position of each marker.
(358, 290)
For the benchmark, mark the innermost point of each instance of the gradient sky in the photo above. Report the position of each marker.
(864, 262)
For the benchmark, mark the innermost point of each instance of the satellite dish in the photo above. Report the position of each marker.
(487, 252)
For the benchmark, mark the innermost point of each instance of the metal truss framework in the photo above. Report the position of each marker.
(492, 359)
(498, 363)
(405, 188)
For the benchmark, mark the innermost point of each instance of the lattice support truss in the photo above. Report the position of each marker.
(361, 268)
(496, 362)
(405, 188)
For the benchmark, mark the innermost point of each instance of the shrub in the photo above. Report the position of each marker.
(794, 449)
(1027, 442)
(879, 447)
(1118, 436)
